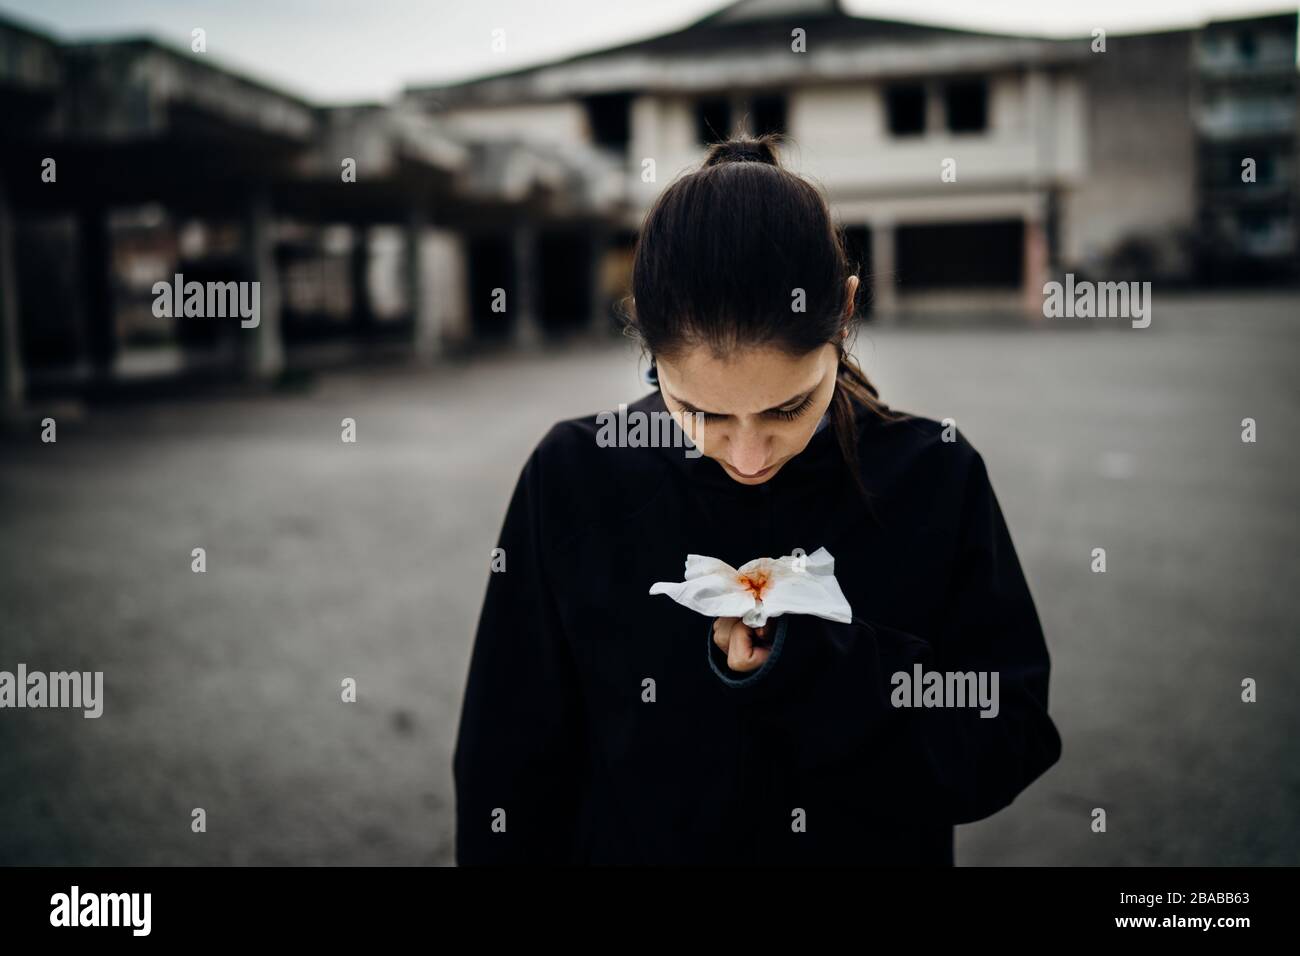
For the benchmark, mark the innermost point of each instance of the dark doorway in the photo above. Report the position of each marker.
(564, 280)
(49, 304)
(961, 255)
(491, 267)
(712, 119)
(769, 114)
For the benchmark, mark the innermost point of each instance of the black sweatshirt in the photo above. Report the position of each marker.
(602, 725)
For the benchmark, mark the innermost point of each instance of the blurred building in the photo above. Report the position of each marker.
(966, 167)
(126, 163)
(1245, 78)
(1115, 156)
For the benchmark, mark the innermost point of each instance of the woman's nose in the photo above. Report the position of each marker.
(748, 451)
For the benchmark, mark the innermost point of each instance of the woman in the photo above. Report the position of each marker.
(603, 725)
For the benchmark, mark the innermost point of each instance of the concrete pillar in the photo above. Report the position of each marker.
(526, 330)
(645, 133)
(265, 355)
(884, 278)
(427, 337)
(647, 142)
(448, 285)
(741, 119)
(936, 111)
(12, 386)
(1035, 268)
(1041, 122)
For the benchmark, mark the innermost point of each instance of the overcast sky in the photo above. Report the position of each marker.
(348, 50)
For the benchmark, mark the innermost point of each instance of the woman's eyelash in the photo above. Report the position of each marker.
(784, 414)
(793, 413)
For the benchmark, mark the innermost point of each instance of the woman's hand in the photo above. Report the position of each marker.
(746, 648)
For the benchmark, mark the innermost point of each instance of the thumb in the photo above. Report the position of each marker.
(740, 651)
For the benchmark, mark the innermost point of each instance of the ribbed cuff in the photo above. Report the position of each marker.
(818, 647)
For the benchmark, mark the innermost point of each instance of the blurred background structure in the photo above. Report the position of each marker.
(329, 560)
(1123, 162)
(1068, 158)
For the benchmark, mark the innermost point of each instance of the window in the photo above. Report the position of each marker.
(1265, 169)
(769, 114)
(607, 114)
(966, 103)
(712, 120)
(906, 105)
(1246, 48)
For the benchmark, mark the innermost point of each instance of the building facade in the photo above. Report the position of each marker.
(966, 167)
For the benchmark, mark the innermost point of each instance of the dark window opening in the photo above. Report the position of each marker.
(769, 114)
(608, 115)
(906, 106)
(967, 106)
(1246, 46)
(712, 120)
(1265, 170)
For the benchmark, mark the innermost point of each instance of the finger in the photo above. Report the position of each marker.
(722, 632)
(740, 654)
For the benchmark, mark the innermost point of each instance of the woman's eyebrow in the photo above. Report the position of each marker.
(775, 408)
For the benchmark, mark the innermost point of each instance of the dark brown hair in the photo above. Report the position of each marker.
(719, 258)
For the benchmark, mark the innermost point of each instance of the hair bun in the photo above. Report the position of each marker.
(744, 149)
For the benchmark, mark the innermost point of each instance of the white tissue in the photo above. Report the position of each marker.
(762, 588)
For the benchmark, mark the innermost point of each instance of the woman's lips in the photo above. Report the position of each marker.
(757, 474)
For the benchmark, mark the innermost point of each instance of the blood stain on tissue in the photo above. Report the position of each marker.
(755, 582)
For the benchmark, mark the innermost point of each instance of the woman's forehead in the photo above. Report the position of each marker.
(744, 381)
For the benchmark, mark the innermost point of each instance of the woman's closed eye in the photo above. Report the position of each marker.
(788, 413)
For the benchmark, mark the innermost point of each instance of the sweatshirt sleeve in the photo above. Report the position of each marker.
(830, 685)
(519, 755)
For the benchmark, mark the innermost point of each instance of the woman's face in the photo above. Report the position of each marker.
(760, 406)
